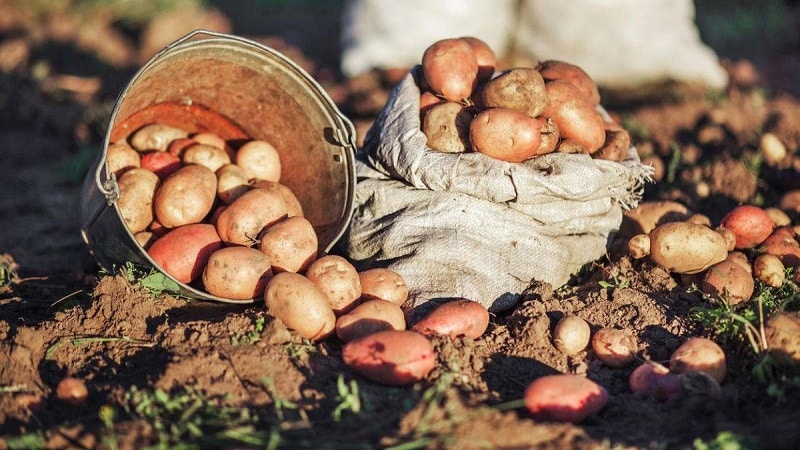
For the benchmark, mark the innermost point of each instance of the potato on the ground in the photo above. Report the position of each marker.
(571, 334)
(654, 380)
(446, 125)
(614, 347)
(455, 318)
(291, 244)
(237, 272)
(783, 337)
(370, 317)
(300, 305)
(137, 188)
(751, 225)
(391, 357)
(506, 134)
(120, 158)
(683, 247)
(338, 279)
(72, 391)
(564, 398)
(639, 246)
(649, 214)
(184, 251)
(521, 89)
(243, 221)
(156, 136)
(575, 116)
(450, 68)
(562, 70)
(728, 280)
(384, 284)
(770, 270)
(260, 160)
(699, 354)
(783, 244)
(186, 196)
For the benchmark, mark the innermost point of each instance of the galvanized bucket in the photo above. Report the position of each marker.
(237, 88)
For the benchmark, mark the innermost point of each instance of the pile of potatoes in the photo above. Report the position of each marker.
(514, 115)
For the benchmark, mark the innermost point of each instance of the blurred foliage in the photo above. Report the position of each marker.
(131, 12)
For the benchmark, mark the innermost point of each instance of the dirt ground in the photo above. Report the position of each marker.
(167, 372)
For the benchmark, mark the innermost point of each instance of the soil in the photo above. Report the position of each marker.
(163, 370)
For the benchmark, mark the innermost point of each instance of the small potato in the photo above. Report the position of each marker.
(561, 70)
(259, 160)
(571, 335)
(206, 155)
(699, 355)
(639, 246)
(521, 89)
(291, 244)
(383, 284)
(506, 134)
(72, 391)
(770, 270)
(156, 136)
(575, 116)
(783, 244)
(391, 357)
(237, 272)
(751, 225)
(427, 100)
(186, 196)
(778, 217)
(231, 183)
(338, 279)
(121, 158)
(564, 398)
(243, 221)
(783, 338)
(614, 347)
(370, 317)
(728, 280)
(137, 188)
(450, 68)
(683, 247)
(301, 305)
(484, 55)
(446, 125)
(184, 251)
(456, 318)
(653, 380)
(293, 206)
(162, 164)
(741, 259)
(773, 150)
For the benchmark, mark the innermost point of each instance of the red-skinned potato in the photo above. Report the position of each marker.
(384, 284)
(450, 68)
(184, 251)
(300, 305)
(576, 118)
(291, 244)
(242, 222)
(456, 318)
(392, 357)
(178, 146)
(699, 354)
(370, 317)
(162, 164)
(338, 279)
(751, 225)
(484, 55)
(186, 196)
(237, 272)
(561, 70)
(427, 100)
(506, 134)
(728, 280)
(683, 247)
(614, 347)
(783, 244)
(655, 381)
(72, 391)
(521, 89)
(564, 398)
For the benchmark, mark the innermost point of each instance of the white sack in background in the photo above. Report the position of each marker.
(467, 225)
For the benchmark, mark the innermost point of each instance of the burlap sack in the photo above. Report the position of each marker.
(467, 225)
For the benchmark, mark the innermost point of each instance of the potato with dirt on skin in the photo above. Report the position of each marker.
(205, 155)
(455, 318)
(184, 251)
(728, 280)
(699, 354)
(162, 164)
(137, 189)
(782, 332)
(647, 215)
(770, 270)
(370, 317)
(242, 222)
(687, 248)
(390, 357)
(450, 68)
(156, 136)
(562, 70)
(238, 273)
(300, 305)
(291, 244)
(615, 147)
(186, 196)
(260, 160)
(520, 88)
(614, 347)
(338, 279)
(384, 284)
(446, 125)
(506, 134)
(576, 118)
(639, 246)
(293, 205)
(231, 183)
(120, 158)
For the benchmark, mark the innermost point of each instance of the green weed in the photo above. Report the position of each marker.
(151, 280)
(251, 336)
(348, 398)
(725, 440)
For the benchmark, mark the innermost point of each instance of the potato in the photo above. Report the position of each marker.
(211, 139)
(484, 55)
(575, 116)
(564, 398)
(550, 137)
(144, 239)
(450, 68)
(683, 247)
(242, 222)
(179, 146)
(561, 70)
(699, 354)
(639, 246)
(773, 150)
(205, 155)
(653, 380)
(72, 391)
(521, 89)
(614, 347)
(447, 125)
(293, 206)
(506, 134)
(156, 136)
(338, 279)
(427, 100)
(778, 217)
(238, 273)
(391, 357)
(770, 270)
(741, 259)
(186, 196)
(121, 158)
(783, 244)
(728, 280)
(299, 304)
(571, 335)
(455, 318)
(782, 332)
(751, 225)
(259, 160)
(137, 188)
(615, 147)
(729, 236)
(645, 217)
(370, 317)
(383, 284)
(184, 251)
(231, 183)
(291, 244)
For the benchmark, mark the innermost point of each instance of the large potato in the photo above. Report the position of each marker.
(684, 247)
(137, 187)
(447, 125)
(391, 357)
(186, 196)
(699, 354)
(237, 272)
(520, 88)
(370, 317)
(450, 68)
(184, 251)
(291, 244)
(648, 215)
(338, 279)
(300, 304)
(242, 222)
(575, 116)
(484, 55)
(506, 134)
(561, 70)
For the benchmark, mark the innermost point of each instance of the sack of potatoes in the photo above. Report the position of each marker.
(475, 181)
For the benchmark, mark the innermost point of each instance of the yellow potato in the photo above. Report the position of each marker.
(291, 244)
(205, 155)
(231, 183)
(242, 222)
(293, 206)
(137, 187)
(684, 247)
(338, 279)
(186, 196)
(237, 272)
(446, 125)
(300, 304)
(520, 88)
(121, 158)
(156, 136)
(383, 284)
(259, 160)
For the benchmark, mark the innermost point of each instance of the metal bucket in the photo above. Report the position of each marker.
(238, 89)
